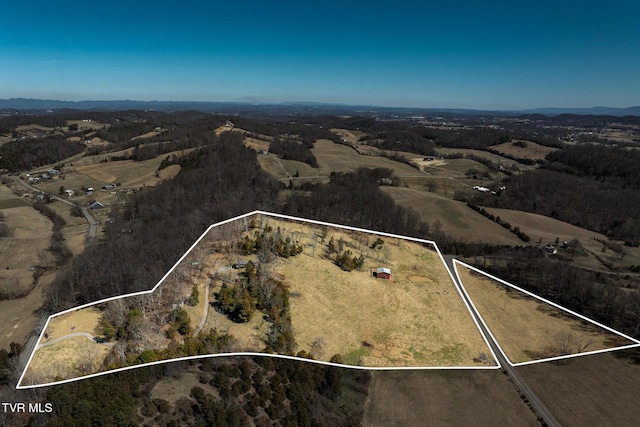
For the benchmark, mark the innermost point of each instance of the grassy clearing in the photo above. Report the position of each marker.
(336, 157)
(28, 247)
(172, 389)
(82, 125)
(445, 398)
(531, 151)
(454, 216)
(484, 154)
(83, 320)
(528, 329)
(591, 390)
(415, 319)
(12, 203)
(20, 316)
(68, 358)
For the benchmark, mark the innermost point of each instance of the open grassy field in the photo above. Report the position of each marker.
(20, 316)
(486, 155)
(455, 217)
(336, 157)
(415, 319)
(531, 150)
(599, 389)
(84, 320)
(445, 398)
(64, 347)
(528, 329)
(71, 357)
(82, 125)
(548, 229)
(26, 247)
(77, 229)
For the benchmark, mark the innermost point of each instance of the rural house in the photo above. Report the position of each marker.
(382, 273)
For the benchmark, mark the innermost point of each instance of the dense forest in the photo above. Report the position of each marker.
(31, 153)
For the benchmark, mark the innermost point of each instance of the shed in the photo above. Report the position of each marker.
(382, 273)
(96, 205)
(240, 264)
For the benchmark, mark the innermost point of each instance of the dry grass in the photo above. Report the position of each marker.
(415, 319)
(455, 217)
(62, 360)
(528, 329)
(531, 151)
(128, 173)
(20, 316)
(172, 389)
(86, 125)
(597, 390)
(336, 157)
(27, 247)
(484, 154)
(546, 229)
(83, 320)
(445, 398)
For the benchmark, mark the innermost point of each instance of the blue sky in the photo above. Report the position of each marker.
(467, 54)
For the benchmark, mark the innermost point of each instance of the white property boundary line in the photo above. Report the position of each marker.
(257, 212)
(550, 359)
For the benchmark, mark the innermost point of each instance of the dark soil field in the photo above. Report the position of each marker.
(596, 390)
(445, 398)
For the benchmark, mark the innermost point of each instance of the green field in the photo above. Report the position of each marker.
(13, 203)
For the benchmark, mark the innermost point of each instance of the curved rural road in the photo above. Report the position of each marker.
(92, 222)
(75, 334)
(535, 402)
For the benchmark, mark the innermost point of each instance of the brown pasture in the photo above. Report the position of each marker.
(455, 217)
(445, 398)
(546, 229)
(404, 322)
(337, 157)
(61, 360)
(84, 320)
(599, 389)
(486, 155)
(415, 319)
(27, 247)
(20, 316)
(528, 329)
(532, 151)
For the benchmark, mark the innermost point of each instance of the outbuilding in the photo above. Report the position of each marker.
(382, 273)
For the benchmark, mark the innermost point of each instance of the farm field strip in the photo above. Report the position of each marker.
(187, 253)
(508, 285)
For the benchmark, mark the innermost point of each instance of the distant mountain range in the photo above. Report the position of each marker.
(289, 107)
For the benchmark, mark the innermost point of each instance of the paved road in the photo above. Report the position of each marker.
(92, 222)
(32, 341)
(535, 402)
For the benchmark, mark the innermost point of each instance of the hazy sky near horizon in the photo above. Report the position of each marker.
(464, 54)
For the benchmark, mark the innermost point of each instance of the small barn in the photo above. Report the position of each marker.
(382, 273)
(96, 205)
(240, 264)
